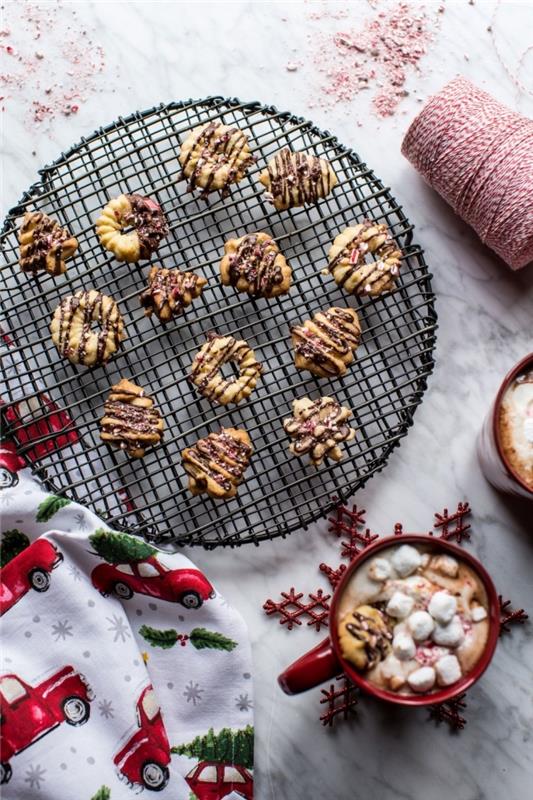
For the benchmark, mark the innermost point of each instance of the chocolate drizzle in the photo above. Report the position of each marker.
(213, 157)
(170, 291)
(297, 179)
(71, 327)
(373, 634)
(44, 244)
(130, 421)
(147, 218)
(318, 427)
(324, 345)
(217, 464)
(206, 376)
(347, 259)
(254, 264)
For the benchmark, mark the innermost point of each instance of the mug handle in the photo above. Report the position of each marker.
(313, 668)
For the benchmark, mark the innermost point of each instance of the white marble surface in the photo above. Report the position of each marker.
(159, 51)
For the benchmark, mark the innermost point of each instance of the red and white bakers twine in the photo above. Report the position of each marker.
(478, 155)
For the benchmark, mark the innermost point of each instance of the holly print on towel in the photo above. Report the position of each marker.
(133, 566)
(30, 568)
(144, 759)
(225, 760)
(50, 506)
(200, 638)
(30, 712)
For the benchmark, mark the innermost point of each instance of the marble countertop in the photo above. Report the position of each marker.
(161, 51)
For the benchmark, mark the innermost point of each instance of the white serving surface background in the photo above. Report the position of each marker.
(162, 51)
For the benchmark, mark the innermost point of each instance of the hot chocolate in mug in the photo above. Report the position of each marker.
(414, 621)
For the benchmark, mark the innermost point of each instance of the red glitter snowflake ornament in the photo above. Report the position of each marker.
(453, 526)
(291, 608)
(450, 712)
(341, 701)
(510, 617)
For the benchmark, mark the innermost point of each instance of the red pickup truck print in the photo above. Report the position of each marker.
(10, 464)
(186, 586)
(144, 759)
(30, 569)
(41, 422)
(30, 712)
(212, 780)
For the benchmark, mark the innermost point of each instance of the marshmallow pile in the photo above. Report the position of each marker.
(425, 622)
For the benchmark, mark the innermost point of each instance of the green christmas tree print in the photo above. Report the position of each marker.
(50, 506)
(120, 548)
(200, 638)
(227, 746)
(103, 793)
(12, 543)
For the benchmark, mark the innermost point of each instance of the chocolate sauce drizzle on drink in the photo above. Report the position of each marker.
(255, 261)
(149, 221)
(89, 307)
(220, 457)
(47, 237)
(215, 149)
(299, 178)
(336, 337)
(376, 640)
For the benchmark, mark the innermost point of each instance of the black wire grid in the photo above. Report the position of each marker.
(280, 492)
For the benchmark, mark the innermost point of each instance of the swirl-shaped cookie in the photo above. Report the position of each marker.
(44, 244)
(216, 464)
(206, 369)
(142, 214)
(170, 291)
(325, 344)
(130, 420)
(254, 264)
(347, 259)
(297, 179)
(364, 637)
(318, 427)
(213, 156)
(72, 324)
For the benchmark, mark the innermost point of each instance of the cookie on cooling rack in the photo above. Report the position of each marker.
(213, 156)
(72, 328)
(144, 215)
(44, 245)
(253, 264)
(170, 291)
(206, 368)
(325, 344)
(130, 420)
(216, 464)
(297, 179)
(318, 428)
(348, 264)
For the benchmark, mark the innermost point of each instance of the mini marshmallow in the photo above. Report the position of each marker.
(400, 605)
(422, 680)
(446, 565)
(403, 646)
(406, 559)
(448, 670)
(450, 635)
(442, 607)
(379, 570)
(478, 613)
(391, 666)
(420, 625)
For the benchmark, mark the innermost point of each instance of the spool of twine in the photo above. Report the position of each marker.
(478, 155)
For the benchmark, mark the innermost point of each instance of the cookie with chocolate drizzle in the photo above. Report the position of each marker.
(144, 215)
(254, 264)
(297, 179)
(348, 265)
(364, 637)
(325, 344)
(216, 464)
(72, 332)
(130, 420)
(213, 156)
(170, 291)
(44, 244)
(206, 369)
(318, 427)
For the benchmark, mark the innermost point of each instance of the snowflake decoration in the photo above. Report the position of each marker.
(341, 700)
(119, 627)
(105, 707)
(351, 521)
(450, 712)
(35, 776)
(291, 608)
(193, 693)
(510, 617)
(74, 572)
(453, 526)
(6, 498)
(243, 702)
(81, 521)
(333, 575)
(62, 629)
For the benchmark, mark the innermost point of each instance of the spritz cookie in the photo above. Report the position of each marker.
(72, 328)
(142, 214)
(325, 344)
(206, 369)
(297, 179)
(318, 428)
(130, 420)
(170, 291)
(216, 464)
(348, 259)
(254, 264)
(44, 244)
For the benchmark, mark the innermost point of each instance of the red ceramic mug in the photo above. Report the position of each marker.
(492, 458)
(325, 661)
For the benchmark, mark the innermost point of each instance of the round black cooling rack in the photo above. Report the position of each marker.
(44, 394)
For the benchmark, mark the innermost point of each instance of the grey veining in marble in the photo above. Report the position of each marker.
(168, 50)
